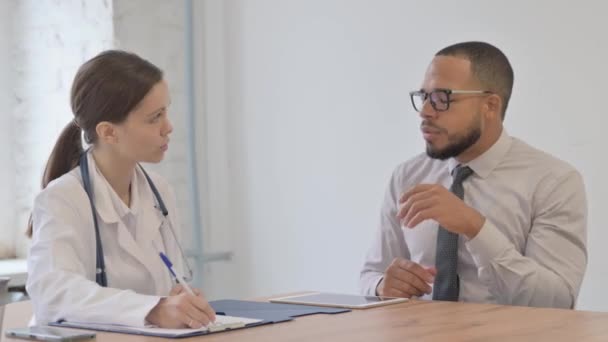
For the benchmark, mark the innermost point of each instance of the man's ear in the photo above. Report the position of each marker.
(493, 106)
(106, 132)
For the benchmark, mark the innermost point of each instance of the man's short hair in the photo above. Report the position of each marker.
(488, 64)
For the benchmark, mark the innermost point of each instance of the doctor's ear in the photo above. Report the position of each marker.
(106, 132)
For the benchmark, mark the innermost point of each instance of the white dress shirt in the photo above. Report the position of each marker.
(531, 249)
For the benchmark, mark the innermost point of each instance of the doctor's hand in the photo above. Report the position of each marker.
(405, 278)
(182, 310)
(178, 288)
(435, 202)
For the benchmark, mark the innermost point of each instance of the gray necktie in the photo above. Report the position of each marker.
(447, 284)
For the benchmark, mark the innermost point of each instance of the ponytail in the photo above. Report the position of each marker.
(63, 159)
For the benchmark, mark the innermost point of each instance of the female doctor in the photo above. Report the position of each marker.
(99, 223)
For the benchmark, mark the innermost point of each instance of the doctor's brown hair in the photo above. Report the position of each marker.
(106, 88)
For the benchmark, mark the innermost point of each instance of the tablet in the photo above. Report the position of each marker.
(338, 300)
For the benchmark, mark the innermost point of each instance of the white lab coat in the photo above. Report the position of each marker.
(61, 263)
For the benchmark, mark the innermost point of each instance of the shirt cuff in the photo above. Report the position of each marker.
(488, 244)
(139, 314)
(374, 290)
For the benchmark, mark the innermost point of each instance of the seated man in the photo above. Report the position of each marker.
(511, 229)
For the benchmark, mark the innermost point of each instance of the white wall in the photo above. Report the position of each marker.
(43, 53)
(222, 279)
(316, 115)
(7, 78)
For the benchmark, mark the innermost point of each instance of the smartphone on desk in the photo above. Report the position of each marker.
(43, 333)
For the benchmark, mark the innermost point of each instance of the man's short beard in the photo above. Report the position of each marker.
(457, 145)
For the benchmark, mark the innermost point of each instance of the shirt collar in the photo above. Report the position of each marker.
(107, 202)
(489, 160)
(120, 207)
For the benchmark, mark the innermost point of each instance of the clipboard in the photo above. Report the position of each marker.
(228, 323)
(257, 313)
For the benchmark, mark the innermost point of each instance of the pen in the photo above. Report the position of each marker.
(180, 279)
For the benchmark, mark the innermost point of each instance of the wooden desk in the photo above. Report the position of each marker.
(411, 321)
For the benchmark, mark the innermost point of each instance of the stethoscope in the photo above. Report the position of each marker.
(100, 267)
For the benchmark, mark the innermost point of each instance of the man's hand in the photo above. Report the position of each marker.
(405, 278)
(434, 202)
(182, 310)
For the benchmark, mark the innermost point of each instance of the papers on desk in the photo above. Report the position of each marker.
(222, 323)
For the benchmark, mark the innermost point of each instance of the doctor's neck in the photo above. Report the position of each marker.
(117, 171)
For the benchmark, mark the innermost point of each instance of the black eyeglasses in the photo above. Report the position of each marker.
(440, 98)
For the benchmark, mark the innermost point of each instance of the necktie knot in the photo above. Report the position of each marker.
(460, 173)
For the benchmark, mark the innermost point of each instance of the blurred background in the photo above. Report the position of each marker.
(290, 115)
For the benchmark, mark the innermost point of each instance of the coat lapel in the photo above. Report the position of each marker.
(147, 231)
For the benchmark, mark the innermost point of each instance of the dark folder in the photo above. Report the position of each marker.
(269, 312)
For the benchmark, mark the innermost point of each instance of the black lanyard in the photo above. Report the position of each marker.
(100, 266)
